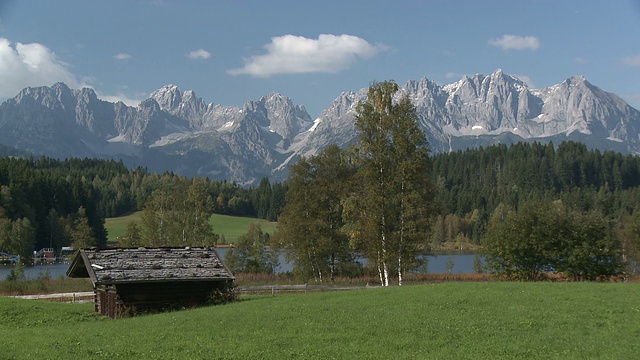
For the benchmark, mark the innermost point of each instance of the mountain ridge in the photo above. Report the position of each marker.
(174, 130)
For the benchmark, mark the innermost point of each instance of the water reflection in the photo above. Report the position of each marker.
(436, 263)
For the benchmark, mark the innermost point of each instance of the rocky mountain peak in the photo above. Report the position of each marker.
(168, 97)
(185, 105)
(283, 117)
(175, 130)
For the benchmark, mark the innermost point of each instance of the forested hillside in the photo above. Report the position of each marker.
(47, 202)
(471, 185)
(52, 203)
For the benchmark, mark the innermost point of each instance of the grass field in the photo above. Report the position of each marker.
(491, 320)
(229, 226)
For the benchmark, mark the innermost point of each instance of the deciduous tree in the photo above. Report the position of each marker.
(545, 237)
(394, 190)
(250, 253)
(311, 225)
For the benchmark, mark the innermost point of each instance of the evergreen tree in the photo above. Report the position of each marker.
(5, 233)
(22, 239)
(82, 236)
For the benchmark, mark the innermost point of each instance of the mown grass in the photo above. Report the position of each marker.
(117, 226)
(490, 320)
(231, 227)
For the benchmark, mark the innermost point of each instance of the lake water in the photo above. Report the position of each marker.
(437, 264)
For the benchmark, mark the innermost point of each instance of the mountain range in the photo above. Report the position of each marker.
(174, 130)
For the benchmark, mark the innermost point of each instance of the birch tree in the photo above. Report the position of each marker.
(310, 227)
(394, 196)
(180, 218)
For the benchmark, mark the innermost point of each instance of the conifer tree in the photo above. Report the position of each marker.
(82, 235)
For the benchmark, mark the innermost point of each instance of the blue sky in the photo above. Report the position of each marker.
(230, 52)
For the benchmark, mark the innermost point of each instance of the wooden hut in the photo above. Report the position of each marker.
(128, 281)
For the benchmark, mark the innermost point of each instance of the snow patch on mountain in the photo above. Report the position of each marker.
(177, 131)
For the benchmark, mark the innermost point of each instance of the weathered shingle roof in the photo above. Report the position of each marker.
(113, 266)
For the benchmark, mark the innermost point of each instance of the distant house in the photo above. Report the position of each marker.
(128, 281)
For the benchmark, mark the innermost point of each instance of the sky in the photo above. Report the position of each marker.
(230, 52)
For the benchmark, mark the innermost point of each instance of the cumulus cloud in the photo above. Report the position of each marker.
(291, 54)
(122, 56)
(199, 54)
(31, 64)
(516, 42)
(34, 64)
(633, 60)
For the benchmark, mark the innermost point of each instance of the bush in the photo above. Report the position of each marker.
(545, 238)
(223, 295)
(17, 273)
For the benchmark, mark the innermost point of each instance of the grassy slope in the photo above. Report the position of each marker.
(447, 321)
(229, 226)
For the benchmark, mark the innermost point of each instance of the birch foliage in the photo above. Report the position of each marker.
(310, 227)
(394, 190)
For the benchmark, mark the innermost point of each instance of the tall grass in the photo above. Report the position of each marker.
(489, 320)
(43, 285)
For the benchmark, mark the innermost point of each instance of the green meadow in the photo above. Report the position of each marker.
(489, 320)
(231, 227)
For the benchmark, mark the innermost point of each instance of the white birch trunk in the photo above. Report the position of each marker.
(380, 269)
(385, 267)
(386, 273)
(399, 270)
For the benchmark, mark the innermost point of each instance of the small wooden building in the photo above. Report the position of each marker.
(128, 281)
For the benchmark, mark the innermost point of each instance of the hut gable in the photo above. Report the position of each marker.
(132, 280)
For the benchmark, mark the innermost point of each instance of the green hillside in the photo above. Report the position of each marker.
(229, 226)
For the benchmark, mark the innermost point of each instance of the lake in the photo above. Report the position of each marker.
(437, 264)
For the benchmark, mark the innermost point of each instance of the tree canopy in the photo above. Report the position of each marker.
(374, 199)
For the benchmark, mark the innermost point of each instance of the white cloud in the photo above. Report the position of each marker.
(633, 60)
(34, 64)
(581, 60)
(290, 54)
(30, 65)
(199, 54)
(122, 56)
(453, 75)
(516, 42)
(129, 101)
(527, 80)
